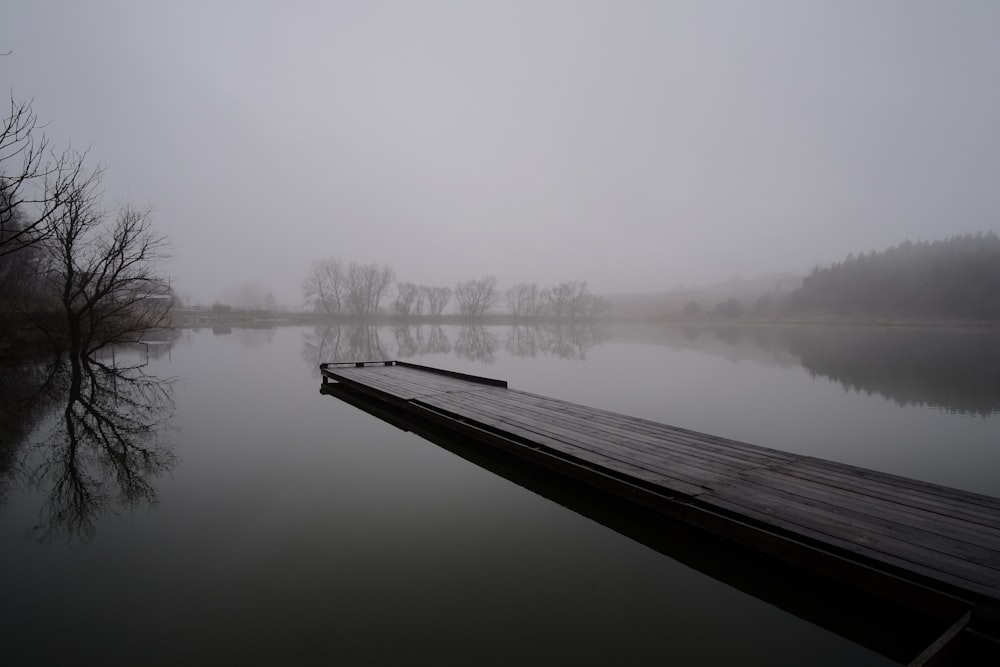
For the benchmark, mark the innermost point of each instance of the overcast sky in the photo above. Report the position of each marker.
(636, 145)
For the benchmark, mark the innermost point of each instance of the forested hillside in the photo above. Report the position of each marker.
(956, 278)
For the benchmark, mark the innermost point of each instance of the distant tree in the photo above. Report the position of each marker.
(691, 309)
(437, 299)
(323, 286)
(541, 306)
(592, 306)
(365, 287)
(523, 299)
(950, 278)
(476, 297)
(573, 300)
(562, 296)
(767, 304)
(409, 299)
(729, 308)
(419, 301)
(251, 295)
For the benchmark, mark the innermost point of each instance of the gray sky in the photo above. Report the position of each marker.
(636, 145)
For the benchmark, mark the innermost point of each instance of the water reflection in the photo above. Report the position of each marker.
(354, 342)
(413, 341)
(571, 341)
(473, 341)
(25, 400)
(103, 448)
(955, 371)
(949, 369)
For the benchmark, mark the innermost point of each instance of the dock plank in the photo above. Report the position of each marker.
(618, 432)
(573, 444)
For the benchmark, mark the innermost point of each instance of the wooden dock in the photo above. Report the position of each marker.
(924, 546)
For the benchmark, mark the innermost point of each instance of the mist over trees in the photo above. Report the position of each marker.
(365, 285)
(437, 299)
(409, 300)
(951, 278)
(324, 285)
(476, 297)
(251, 296)
(332, 288)
(574, 301)
(525, 300)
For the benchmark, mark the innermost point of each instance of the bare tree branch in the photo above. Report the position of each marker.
(476, 297)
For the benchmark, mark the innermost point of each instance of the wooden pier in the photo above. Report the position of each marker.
(925, 547)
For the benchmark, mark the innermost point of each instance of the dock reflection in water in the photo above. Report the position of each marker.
(889, 629)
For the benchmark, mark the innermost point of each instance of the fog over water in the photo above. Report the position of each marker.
(636, 145)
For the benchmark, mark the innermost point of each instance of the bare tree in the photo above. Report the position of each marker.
(437, 299)
(573, 300)
(21, 169)
(323, 287)
(562, 296)
(104, 271)
(30, 186)
(523, 300)
(19, 271)
(365, 285)
(592, 306)
(475, 297)
(418, 301)
(409, 299)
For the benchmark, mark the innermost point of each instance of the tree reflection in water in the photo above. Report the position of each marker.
(343, 342)
(105, 447)
(436, 342)
(25, 401)
(950, 368)
(474, 341)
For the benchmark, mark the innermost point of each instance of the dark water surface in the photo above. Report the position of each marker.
(252, 520)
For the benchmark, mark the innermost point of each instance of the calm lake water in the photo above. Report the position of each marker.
(244, 518)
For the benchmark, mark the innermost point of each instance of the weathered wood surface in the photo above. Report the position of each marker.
(937, 537)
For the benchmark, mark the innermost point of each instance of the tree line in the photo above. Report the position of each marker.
(73, 271)
(952, 278)
(333, 287)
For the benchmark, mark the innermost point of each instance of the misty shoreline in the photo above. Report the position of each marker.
(194, 318)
